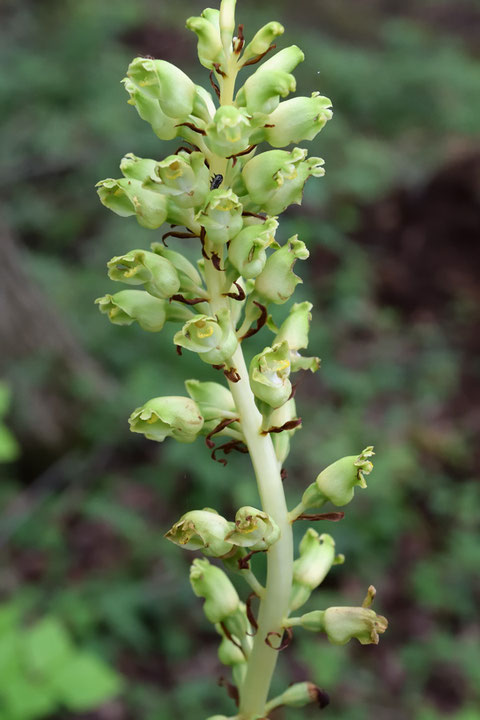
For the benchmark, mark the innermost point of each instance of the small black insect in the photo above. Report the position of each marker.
(216, 182)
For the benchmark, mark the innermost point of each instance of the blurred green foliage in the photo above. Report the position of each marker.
(82, 543)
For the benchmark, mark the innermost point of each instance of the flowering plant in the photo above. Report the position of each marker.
(227, 196)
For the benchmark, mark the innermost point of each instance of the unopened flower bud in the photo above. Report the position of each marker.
(342, 624)
(253, 529)
(149, 110)
(298, 119)
(227, 23)
(214, 400)
(337, 482)
(141, 267)
(126, 306)
(229, 131)
(177, 417)
(275, 179)
(164, 82)
(190, 280)
(317, 555)
(277, 418)
(246, 251)
(207, 30)
(300, 695)
(211, 583)
(294, 330)
(229, 654)
(269, 375)
(203, 530)
(262, 40)
(277, 281)
(128, 197)
(213, 338)
(184, 177)
(222, 216)
(262, 91)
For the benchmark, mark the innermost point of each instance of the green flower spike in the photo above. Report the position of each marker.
(183, 177)
(126, 306)
(275, 179)
(246, 251)
(177, 417)
(162, 81)
(269, 373)
(273, 79)
(141, 267)
(211, 583)
(229, 131)
(127, 197)
(277, 281)
(337, 482)
(253, 529)
(211, 337)
(222, 216)
(294, 330)
(297, 120)
(149, 110)
(214, 400)
(262, 40)
(203, 530)
(207, 29)
(317, 555)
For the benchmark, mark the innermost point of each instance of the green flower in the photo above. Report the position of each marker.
(141, 267)
(317, 555)
(275, 179)
(298, 119)
(213, 338)
(253, 529)
(214, 400)
(229, 131)
(162, 81)
(211, 583)
(203, 530)
(338, 481)
(221, 216)
(177, 417)
(269, 375)
(190, 279)
(262, 90)
(126, 306)
(342, 624)
(294, 330)
(184, 177)
(246, 251)
(207, 29)
(277, 281)
(128, 197)
(262, 40)
(149, 110)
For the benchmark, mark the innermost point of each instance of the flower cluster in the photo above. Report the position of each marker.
(218, 192)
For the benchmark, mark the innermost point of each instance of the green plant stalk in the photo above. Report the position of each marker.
(274, 604)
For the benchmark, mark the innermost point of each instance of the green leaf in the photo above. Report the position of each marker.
(85, 682)
(24, 699)
(47, 647)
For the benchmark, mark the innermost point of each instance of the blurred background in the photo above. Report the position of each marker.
(97, 619)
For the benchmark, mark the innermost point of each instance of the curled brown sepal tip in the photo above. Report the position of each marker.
(260, 322)
(232, 690)
(232, 375)
(285, 639)
(221, 426)
(251, 617)
(289, 425)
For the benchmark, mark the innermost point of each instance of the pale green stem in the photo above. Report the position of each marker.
(276, 594)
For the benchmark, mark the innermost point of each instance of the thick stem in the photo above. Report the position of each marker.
(274, 605)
